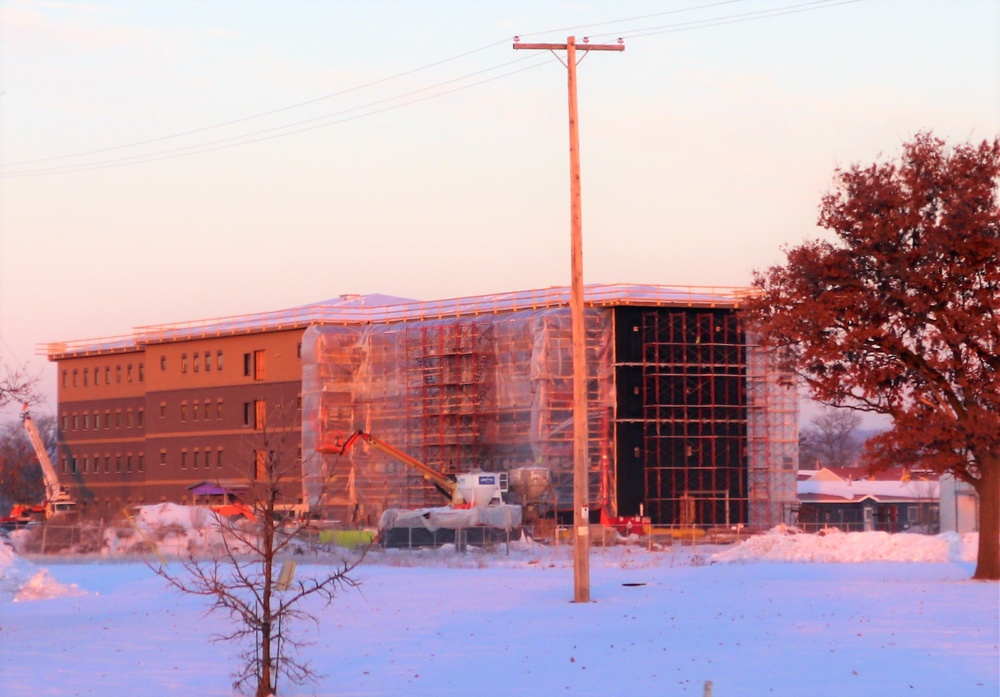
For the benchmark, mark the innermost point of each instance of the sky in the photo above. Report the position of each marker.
(861, 614)
(173, 161)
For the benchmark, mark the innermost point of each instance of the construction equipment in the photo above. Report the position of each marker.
(477, 514)
(57, 499)
(465, 489)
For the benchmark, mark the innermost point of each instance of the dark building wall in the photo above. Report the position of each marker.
(681, 420)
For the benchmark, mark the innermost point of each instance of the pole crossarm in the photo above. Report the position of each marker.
(620, 46)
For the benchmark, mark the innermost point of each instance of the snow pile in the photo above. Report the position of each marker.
(832, 546)
(23, 580)
(168, 529)
(172, 530)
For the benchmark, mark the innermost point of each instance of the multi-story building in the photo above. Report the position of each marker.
(686, 420)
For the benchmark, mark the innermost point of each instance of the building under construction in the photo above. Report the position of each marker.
(688, 422)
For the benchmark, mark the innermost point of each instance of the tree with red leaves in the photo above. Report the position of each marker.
(899, 313)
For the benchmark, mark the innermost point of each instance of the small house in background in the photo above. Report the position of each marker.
(853, 500)
(959, 506)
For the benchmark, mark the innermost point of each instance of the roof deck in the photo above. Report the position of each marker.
(381, 309)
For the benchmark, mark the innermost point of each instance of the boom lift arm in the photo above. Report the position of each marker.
(52, 489)
(55, 496)
(441, 482)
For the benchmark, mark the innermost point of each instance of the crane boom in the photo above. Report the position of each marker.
(54, 493)
(442, 482)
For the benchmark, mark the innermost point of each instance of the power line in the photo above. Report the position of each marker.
(268, 134)
(679, 10)
(331, 119)
(252, 117)
(729, 19)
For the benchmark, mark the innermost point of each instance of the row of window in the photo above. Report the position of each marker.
(198, 360)
(196, 458)
(254, 415)
(195, 362)
(118, 419)
(102, 375)
(199, 411)
(112, 463)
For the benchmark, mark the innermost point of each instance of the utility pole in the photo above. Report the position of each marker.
(581, 490)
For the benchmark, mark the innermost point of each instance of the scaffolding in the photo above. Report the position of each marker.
(772, 439)
(686, 418)
(458, 394)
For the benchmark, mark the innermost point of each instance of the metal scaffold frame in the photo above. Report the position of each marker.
(772, 439)
(459, 394)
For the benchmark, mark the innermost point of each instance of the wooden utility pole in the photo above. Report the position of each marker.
(581, 490)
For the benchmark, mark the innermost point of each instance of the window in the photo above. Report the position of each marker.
(97, 420)
(194, 458)
(128, 419)
(163, 456)
(107, 375)
(218, 408)
(86, 464)
(163, 363)
(184, 362)
(64, 465)
(128, 373)
(260, 414)
(86, 377)
(107, 419)
(218, 360)
(118, 462)
(196, 361)
(76, 424)
(163, 410)
(142, 373)
(246, 413)
(140, 417)
(208, 361)
(107, 462)
(218, 458)
(139, 462)
(65, 374)
(247, 365)
(118, 374)
(118, 418)
(258, 365)
(128, 462)
(298, 349)
(65, 423)
(194, 410)
(74, 466)
(74, 377)
(86, 421)
(184, 459)
(184, 411)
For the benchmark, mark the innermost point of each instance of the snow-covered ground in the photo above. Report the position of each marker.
(779, 614)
